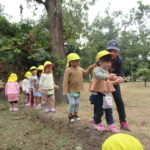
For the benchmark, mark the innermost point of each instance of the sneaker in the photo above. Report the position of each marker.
(28, 105)
(113, 128)
(46, 110)
(99, 127)
(92, 121)
(10, 109)
(53, 110)
(71, 119)
(15, 109)
(124, 126)
(39, 107)
(77, 118)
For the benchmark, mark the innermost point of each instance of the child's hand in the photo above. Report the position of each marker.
(56, 86)
(111, 76)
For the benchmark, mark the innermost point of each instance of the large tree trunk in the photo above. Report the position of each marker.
(54, 11)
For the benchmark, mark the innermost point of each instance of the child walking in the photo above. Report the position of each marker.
(38, 94)
(47, 87)
(33, 71)
(73, 85)
(12, 91)
(26, 87)
(101, 87)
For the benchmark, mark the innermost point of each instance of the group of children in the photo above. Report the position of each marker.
(39, 86)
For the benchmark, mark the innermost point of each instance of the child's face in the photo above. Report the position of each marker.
(105, 64)
(115, 52)
(48, 69)
(34, 72)
(75, 63)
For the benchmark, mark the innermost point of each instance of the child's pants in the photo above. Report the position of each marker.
(98, 110)
(73, 104)
(48, 99)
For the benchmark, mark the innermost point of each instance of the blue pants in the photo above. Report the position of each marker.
(73, 104)
(97, 100)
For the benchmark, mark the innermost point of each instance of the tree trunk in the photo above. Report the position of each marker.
(145, 83)
(54, 12)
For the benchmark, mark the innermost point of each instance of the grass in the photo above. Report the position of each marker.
(24, 130)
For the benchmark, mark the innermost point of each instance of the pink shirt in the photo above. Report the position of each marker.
(12, 88)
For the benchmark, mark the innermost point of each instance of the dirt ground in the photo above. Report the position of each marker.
(35, 130)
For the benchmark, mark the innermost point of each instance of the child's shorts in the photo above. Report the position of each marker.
(37, 94)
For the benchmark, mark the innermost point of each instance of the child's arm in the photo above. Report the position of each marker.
(65, 82)
(24, 86)
(89, 70)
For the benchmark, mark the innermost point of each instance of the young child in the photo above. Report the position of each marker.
(73, 84)
(12, 91)
(47, 87)
(33, 71)
(26, 87)
(37, 94)
(101, 87)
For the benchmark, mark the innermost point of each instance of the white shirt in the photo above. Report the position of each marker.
(26, 85)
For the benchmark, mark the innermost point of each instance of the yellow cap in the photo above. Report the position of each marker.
(41, 67)
(28, 74)
(12, 78)
(33, 68)
(101, 54)
(122, 142)
(73, 56)
(48, 63)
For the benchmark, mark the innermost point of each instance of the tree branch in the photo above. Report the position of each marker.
(41, 2)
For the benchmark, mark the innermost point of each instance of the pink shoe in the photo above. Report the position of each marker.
(10, 109)
(28, 105)
(92, 122)
(99, 127)
(113, 128)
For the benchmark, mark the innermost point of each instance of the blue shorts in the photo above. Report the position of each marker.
(38, 94)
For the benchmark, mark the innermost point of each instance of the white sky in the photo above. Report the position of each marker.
(12, 8)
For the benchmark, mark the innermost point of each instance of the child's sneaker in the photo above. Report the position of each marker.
(53, 110)
(77, 118)
(113, 128)
(99, 127)
(71, 119)
(28, 105)
(46, 110)
(39, 107)
(124, 126)
(92, 121)
(10, 109)
(15, 109)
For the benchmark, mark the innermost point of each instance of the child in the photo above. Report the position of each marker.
(114, 47)
(101, 87)
(47, 86)
(73, 85)
(37, 94)
(122, 141)
(26, 87)
(33, 71)
(12, 91)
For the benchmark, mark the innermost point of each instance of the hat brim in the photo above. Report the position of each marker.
(49, 65)
(113, 47)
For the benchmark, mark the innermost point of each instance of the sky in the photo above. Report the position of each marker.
(11, 7)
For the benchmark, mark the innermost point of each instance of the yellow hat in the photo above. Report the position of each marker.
(12, 78)
(122, 142)
(28, 74)
(101, 54)
(48, 63)
(41, 67)
(73, 56)
(33, 68)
